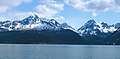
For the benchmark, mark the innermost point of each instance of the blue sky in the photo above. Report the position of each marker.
(74, 12)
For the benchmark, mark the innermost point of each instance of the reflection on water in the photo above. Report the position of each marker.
(34, 51)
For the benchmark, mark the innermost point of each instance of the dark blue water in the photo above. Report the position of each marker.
(37, 51)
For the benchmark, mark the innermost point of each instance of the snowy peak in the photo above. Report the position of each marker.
(66, 26)
(32, 22)
(95, 28)
(90, 24)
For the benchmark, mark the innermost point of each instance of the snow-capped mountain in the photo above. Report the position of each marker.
(66, 26)
(33, 22)
(95, 28)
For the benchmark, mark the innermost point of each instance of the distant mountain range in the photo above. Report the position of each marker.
(33, 22)
(98, 33)
(34, 30)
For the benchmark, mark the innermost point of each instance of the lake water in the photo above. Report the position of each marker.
(38, 51)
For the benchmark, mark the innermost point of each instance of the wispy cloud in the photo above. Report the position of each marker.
(95, 5)
(7, 11)
(45, 8)
(6, 5)
(49, 8)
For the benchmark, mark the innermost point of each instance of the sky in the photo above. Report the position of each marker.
(73, 12)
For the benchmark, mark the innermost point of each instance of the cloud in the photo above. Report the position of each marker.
(95, 5)
(94, 14)
(3, 9)
(45, 8)
(117, 2)
(7, 11)
(13, 2)
(7, 5)
(49, 8)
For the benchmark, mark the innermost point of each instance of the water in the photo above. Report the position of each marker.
(37, 51)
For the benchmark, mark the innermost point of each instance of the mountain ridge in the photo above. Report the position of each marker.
(33, 22)
(50, 31)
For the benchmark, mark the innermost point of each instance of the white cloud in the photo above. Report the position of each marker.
(3, 9)
(13, 2)
(49, 8)
(74, 3)
(46, 8)
(7, 12)
(94, 14)
(45, 11)
(95, 5)
(8, 4)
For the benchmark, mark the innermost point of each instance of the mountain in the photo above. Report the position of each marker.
(97, 33)
(35, 30)
(92, 28)
(33, 22)
(95, 28)
(66, 26)
(64, 36)
(114, 38)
